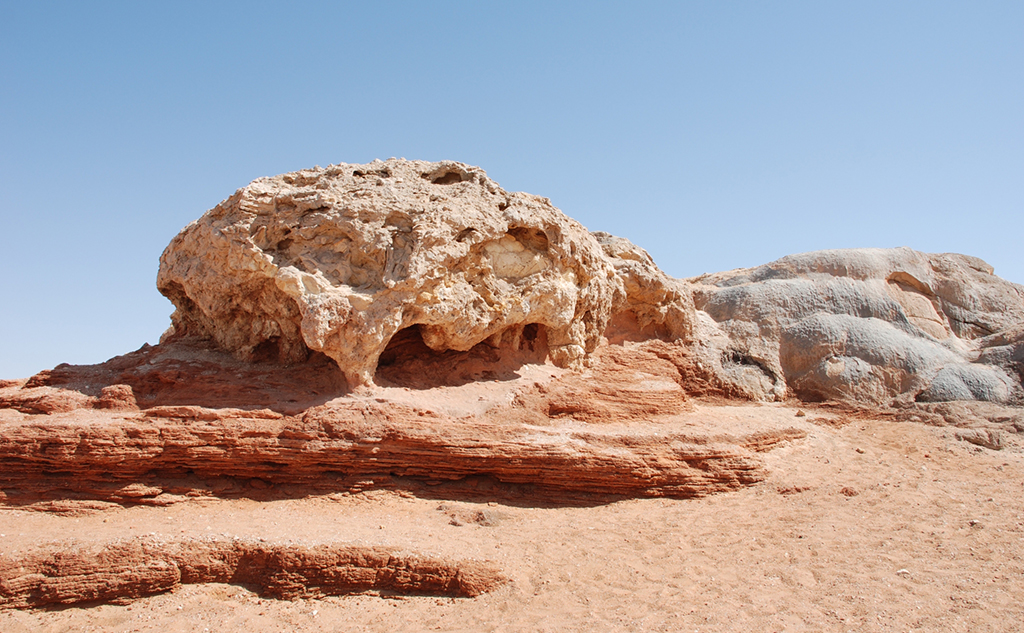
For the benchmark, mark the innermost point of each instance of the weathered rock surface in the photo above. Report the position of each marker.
(369, 263)
(654, 305)
(869, 325)
(340, 259)
(122, 571)
(622, 428)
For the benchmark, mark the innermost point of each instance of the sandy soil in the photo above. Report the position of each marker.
(868, 526)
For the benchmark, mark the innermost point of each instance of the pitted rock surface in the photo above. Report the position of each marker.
(654, 305)
(339, 259)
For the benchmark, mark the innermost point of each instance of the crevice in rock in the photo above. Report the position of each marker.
(380, 173)
(736, 357)
(533, 239)
(447, 175)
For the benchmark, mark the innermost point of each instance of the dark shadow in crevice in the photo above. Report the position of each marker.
(192, 372)
(408, 362)
(480, 488)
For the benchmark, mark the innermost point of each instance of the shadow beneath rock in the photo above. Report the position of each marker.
(190, 372)
(408, 362)
(53, 496)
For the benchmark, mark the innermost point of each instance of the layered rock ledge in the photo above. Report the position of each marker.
(122, 571)
(623, 428)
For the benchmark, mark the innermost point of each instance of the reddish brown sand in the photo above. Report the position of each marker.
(863, 525)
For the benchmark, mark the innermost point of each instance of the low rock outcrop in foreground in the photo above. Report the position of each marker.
(412, 326)
(122, 571)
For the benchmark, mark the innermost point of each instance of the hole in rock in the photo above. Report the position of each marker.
(448, 179)
(408, 362)
(534, 239)
(735, 357)
(531, 331)
(447, 176)
(267, 351)
(381, 173)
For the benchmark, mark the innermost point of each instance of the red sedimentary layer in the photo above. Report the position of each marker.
(611, 432)
(170, 422)
(123, 571)
(165, 450)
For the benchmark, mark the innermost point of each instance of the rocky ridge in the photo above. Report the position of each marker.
(122, 571)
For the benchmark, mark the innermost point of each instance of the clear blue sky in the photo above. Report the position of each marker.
(714, 134)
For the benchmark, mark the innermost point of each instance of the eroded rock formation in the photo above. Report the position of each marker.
(366, 263)
(121, 571)
(622, 428)
(339, 260)
(880, 326)
(411, 326)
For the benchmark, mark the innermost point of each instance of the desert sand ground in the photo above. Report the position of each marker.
(864, 525)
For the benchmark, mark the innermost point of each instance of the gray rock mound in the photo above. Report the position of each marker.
(871, 325)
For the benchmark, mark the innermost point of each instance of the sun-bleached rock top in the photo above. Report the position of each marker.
(339, 259)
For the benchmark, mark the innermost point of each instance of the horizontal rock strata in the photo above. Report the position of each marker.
(149, 458)
(614, 430)
(123, 571)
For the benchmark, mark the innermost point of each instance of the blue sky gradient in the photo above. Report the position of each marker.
(715, 135)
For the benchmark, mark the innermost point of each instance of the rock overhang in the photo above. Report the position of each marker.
(339, 259)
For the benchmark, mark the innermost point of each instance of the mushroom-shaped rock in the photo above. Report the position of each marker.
(339, 259)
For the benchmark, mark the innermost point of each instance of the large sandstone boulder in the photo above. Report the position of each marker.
(340, 259)
(872, 325)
